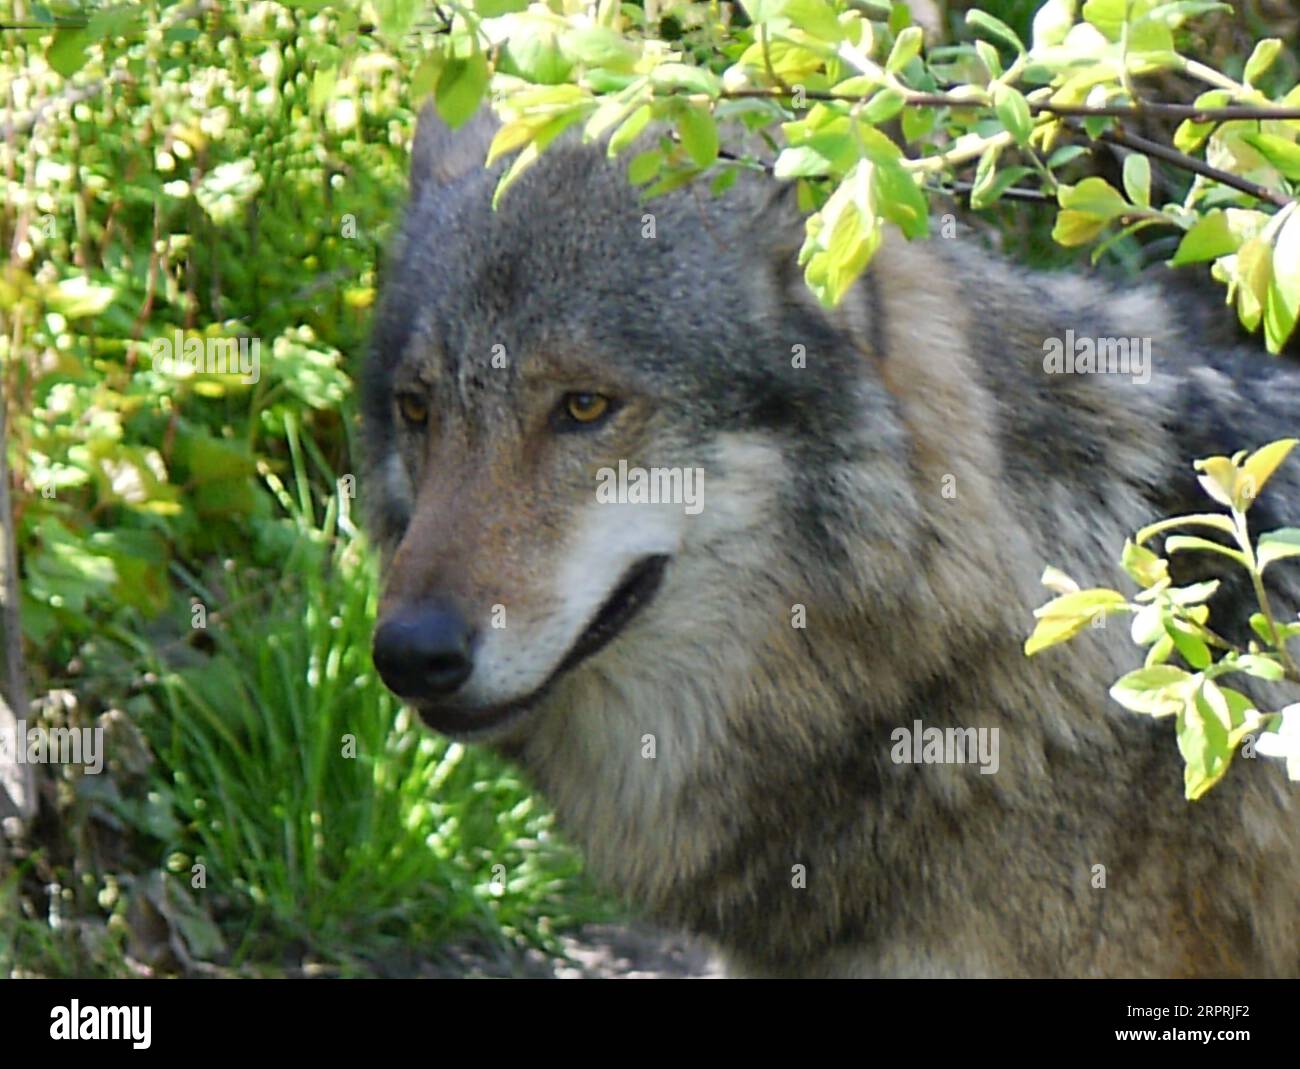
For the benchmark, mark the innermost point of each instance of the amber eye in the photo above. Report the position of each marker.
(586, 407)
(413, 408)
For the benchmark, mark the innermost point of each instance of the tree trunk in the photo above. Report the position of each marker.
(17, 784)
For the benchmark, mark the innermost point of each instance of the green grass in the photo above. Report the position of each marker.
(327, 823)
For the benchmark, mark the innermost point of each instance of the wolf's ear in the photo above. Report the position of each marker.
(441, 155)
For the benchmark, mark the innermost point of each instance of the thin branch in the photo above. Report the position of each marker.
(1116, 137)
(1119, 111)
(1190, 163)
(1014, 193)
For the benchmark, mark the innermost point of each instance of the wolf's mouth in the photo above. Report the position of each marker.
(634, 593)
(636, 590)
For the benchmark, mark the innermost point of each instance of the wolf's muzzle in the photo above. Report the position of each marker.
(424, 652)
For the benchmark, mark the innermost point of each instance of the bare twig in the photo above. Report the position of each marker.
(1119, 111)
(1190, 163)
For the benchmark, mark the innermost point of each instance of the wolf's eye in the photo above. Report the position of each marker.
(585, 408)
(413, 409)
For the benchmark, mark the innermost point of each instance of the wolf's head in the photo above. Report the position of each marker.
(594, 426)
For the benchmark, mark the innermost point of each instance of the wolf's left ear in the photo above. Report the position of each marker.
(441, 155)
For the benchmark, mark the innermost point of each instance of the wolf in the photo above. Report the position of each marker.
(712, 702)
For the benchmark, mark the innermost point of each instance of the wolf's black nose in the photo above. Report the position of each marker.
(424, 652)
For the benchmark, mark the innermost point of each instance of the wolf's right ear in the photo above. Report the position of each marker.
(440, 154)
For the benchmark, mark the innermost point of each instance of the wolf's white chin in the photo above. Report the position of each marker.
(514, 661)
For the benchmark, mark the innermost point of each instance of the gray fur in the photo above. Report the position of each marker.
(773, 742)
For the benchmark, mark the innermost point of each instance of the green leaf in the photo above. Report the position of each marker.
(396, 17)
(883, 106)
(1253, 277)
(997, 184)
(533, 52)
(761, 11)
(1261, 667)
(1160, 652)
(900, 16)
(1266, 51)
(1052, 22)
(511, 136)
(629, 130)
(917, 123)
(1277, 545)
(1066, 616)
(816, 17)
(210, 459)
(78, 297)
(1013, 111)
(907, 46)
(460, 88)
(1193, 594)
(1203, 740)
(1258, 468)
(596, 46)
(1142, 565)
(67, 52)
(1178, 543)
(1093, 196)
(1084, 604)
(1210, 237)
(994, 27)
(670, 181)
(985, 171)
(1259, 624)
(1137, 179)
(1178, 12)
(699, 134)
(613, 109)
(1057, 581)
(684, 76)
(990, 58)
(900, 200)
(1065, 154)
(645, 166)
(1148, 625)
(822, 154)
(1196, 519)
(1157, 691)
(1282, 153)
(1189, 135)
(1192, 647)
(1076, 228)
(1108, 16)
(841, 238)
(120, 21)
(533, 150)
(1283, 740)
(424, 79)
(1282, 309)
(1218, 478)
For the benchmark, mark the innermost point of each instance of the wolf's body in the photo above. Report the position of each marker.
(901, 492)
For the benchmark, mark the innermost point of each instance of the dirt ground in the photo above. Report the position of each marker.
(596, 951)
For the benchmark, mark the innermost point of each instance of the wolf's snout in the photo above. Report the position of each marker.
(424, 653)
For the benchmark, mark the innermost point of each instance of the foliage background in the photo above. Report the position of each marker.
(233, 170)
